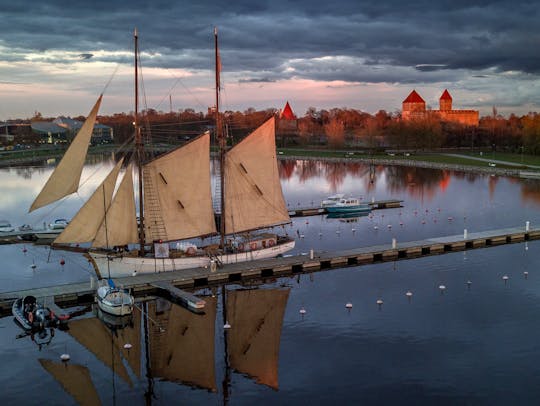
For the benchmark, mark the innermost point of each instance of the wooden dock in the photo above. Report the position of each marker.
(318, 210)
(148, 284)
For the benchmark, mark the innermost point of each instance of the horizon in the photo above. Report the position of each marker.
(366, 57)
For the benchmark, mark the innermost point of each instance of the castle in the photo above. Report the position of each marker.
(414, 107)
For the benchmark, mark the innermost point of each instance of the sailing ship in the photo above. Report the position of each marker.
(175, 201)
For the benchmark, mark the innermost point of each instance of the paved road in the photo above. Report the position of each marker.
(495, 161)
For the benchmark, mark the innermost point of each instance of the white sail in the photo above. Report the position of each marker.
(253, 195)
(119, 227)
(85, 225)
(178, 195)
(66, 176)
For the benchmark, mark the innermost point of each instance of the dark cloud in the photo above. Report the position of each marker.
(420, 41)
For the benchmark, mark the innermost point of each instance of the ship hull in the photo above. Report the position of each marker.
(120, 266)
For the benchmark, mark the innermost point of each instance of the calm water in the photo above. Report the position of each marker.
(468, 345)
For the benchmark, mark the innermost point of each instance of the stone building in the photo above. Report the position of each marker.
(414, 108)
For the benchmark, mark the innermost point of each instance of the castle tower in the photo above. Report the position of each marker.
(287, 113)
(445, 102)
(413, 104)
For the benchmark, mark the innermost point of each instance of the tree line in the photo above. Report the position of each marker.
(335, 128)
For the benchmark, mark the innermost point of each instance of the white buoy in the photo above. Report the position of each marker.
(379, 302)
(226, 326)
(375, 227)
(525, 274)
(127, 346)
(348, 305)
(338, 232)
(389, 226)
(442, 287)
(469, 283)
(302, 311)
(505, 278)
(301, 235)
(408, 294)
(353, 230)
(65, 357)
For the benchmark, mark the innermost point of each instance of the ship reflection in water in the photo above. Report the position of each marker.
(178, 346)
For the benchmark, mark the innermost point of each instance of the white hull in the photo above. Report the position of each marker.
(127, 266)
(115, 302)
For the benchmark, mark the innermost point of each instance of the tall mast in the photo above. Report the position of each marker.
(222, 145)
(139, 147)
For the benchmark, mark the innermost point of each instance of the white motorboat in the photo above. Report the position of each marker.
(349, 205)
(6, 227)
(332, 200)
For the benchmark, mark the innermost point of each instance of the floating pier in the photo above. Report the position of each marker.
(152, 284)
(187, 299)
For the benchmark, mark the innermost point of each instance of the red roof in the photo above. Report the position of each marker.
(446, 95)
(413, 98)
(287, 113)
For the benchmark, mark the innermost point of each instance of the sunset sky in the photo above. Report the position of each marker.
(57, 56)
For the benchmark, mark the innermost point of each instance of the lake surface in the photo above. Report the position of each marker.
(474, 343)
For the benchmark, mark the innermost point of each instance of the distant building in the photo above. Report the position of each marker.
(414, 107)
(102, 134)
(287, 121)
(287, 113)
(50, 132)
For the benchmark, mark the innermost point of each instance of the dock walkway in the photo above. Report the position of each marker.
(146, 284)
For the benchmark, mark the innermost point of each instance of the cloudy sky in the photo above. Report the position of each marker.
(56, 56)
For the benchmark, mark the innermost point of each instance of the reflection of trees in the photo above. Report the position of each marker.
(286, 168)
(335, 174)
(530, 192)
(419, 182)
(308, 169)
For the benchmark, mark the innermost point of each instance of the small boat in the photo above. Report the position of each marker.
(113, 300)
(6, 227)
(349, 205)
(59, 224)
(332, 200)
(32, 316)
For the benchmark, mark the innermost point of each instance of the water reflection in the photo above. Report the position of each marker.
(304, 181)
(164, 341)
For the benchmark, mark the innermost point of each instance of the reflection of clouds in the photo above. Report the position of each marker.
(20, 186)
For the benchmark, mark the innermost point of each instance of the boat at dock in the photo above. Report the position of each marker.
(332, 200)
(32, 316)
(176, 208)
(349, 205)
(114, 300)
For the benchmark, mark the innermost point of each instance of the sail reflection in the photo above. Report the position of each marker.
(75, 379)
(256, 318)
(182, 343)
(165, 341)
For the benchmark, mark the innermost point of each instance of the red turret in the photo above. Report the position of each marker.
(287, 113)
(445, 101)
